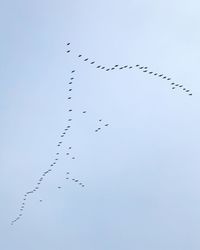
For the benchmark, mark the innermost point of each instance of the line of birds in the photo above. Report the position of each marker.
(54, 162)
(143, 68)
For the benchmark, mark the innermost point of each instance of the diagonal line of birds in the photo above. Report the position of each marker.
(99, 128)
(143, 69)
(53, 164)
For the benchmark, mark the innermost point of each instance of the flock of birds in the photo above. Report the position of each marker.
(144, 69)
(68, 127)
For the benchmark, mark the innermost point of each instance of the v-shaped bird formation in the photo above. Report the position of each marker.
(99, 128)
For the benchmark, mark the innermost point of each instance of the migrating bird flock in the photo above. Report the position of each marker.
(67, 129)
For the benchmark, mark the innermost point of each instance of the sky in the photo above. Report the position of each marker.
(141, 173)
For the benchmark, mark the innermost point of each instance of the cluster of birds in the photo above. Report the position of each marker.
(143, 68)
(57, 154)
(68, 127)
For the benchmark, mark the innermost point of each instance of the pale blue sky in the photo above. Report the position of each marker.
(141, 173)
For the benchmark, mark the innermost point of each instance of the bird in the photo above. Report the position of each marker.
(176, 85)
(145, 67)
(68, 126)
(79, 55)
(92, 62)
(102, 67)
(69, 98)
(70, 147)
(112, 68)
(168, 79)
(68, 51)
(190, 94)
(141, 67)
(137, 65)
(68, 44)
(187, 90)
(67, 153)
(121, 68)
(164, 77)
(125, 66)
(173, 88)
(100, 120)
(116, 65)
(130, 67)
(160, 75)
(84, 112)
(180, 86)
(99, 66)
(96, 130)
(172, 83)
(57, 153)
(73, 71)
(150, 72)
(69, 120)
(72, 78)
(70, 82)
(40, 200)
(145, 71)
(106, 124)
(86, 59)
(70, 110)
(67, 172)
(59, 187)
(107, 69)
(73, 158)
(155, 74)
(70, 89)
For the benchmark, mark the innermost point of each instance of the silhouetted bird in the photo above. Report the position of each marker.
(116, 65)
(180, 86)
(107, 69)
(70, 82)
(70, 110)
(72, 78)
(168, 79)
(68, 51)
(190, 94)
(92, 62)
(86, 59)
(164, 77)
(69, 119)
(145, 67)
(172, 83)
(173, 88)
(40, 200)
(99, 66)
(141, 67)
(100, 120)
(69, 98)
(112, 68)
(59, 187)
(106, 124)
(68, 44)
(102, 67)
(121, 68)
(187, 90)
(160, 75)
(145, 71)
(150, 72)
(70, 89)
(79, 55)
(73, 158)
(130, 67)
(84, 112)
(137, 65)
(155, 74)
(73, 71)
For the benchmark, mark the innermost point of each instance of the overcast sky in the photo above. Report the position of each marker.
(141, 173)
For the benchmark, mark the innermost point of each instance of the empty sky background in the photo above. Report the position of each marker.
(142, 172)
